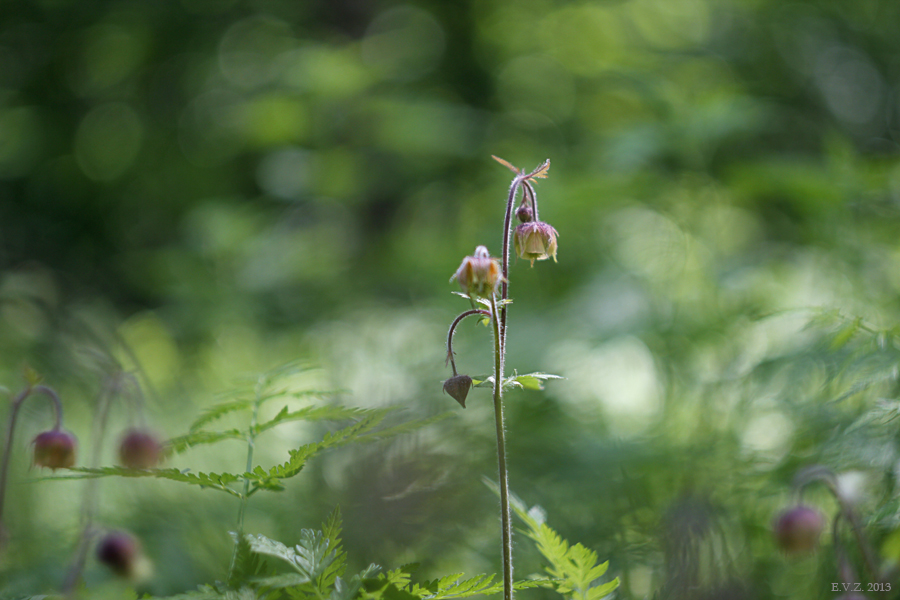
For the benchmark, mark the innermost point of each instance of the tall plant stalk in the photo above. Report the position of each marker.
(481, 277)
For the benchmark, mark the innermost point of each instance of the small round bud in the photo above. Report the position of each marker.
(479, 275)
(458, 387)
(139, 450)
(535, 241)
(797, 530)
(524, 214)
(54, 449)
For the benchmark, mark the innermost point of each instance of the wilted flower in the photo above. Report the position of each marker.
(535, 241)
(479, 275)
(54, 449)
(458, 387)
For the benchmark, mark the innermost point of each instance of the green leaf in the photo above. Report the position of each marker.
(216, 481)
(574, 569)
(453, 586)
(331, 530)
(247, 564)
(533, 381)
(179, 444)
(281, 581)
(316, 413)
(218, 411)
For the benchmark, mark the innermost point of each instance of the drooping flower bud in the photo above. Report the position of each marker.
(54, 449)
(122, 553)
(524, 214)
(479, 275)
(797, 530)
(139, 449)
(535, 241)
(458, 387)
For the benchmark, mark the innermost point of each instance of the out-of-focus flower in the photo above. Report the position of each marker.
(54, 449)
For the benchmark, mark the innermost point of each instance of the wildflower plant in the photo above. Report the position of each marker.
(485, 281)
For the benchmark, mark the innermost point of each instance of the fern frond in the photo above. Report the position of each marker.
(218, 411)
(179, 444)
(216, 481)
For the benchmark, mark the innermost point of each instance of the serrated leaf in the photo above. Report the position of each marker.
(218, 411)
(281, 581)
(331, 530)
(247, 564)
(216, 481)
(315, 413)
(574, 569)
(179, 444)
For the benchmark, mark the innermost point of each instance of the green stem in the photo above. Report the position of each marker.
(7, 450)
(245, 494)
(505, 517)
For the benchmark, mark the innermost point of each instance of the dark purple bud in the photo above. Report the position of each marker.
(54, 449)
(119, 551)
(797, 530)
(524, 214)
(458, 387)
(139, 449)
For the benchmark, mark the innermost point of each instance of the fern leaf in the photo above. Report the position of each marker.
(316, 413)
(218, 411)
(217, 481)
(331, 530)
(179, 444)
(247, 564)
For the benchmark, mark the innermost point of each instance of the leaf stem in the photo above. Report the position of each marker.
(505, 517)
(245, 494)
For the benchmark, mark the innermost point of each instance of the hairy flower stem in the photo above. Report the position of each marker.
(505, 517)
(456, 321)
(499, 320)
(11, 428)
(245, 494)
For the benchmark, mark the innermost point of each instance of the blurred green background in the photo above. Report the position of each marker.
(201, 190)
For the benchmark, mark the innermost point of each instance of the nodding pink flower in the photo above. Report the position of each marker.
(535, 241)
(797, 530)
(139, 449)
(479, 275)
(54, 449)
(122, 553)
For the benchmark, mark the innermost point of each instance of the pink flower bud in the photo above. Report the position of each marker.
(121, 552)
(797, 530)
(479, 275)
(535, 241)
(458, 387)
(139, 450)
(54, 449)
